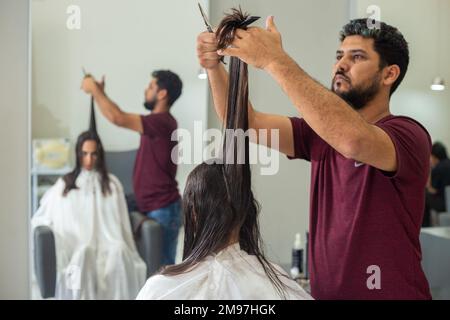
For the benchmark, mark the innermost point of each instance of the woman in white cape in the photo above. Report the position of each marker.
(95, 249)
(222, 258)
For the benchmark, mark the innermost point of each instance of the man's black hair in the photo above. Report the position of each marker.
(439, 151)
(389, 43)
(166, 79)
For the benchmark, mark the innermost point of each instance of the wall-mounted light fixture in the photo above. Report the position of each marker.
(202, 74)
(438, 84)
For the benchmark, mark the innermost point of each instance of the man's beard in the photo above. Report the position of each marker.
(150, 105)
(358, 97)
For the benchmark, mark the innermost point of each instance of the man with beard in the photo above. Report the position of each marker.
(369, 167)
(154, 182)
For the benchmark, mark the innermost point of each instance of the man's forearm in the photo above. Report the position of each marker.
(218, 81)
(327, 114)
(107, 107)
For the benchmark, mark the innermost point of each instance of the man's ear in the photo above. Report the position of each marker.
(391, 74)
(162, 94)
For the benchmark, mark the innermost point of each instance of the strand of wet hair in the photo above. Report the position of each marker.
(237, 172)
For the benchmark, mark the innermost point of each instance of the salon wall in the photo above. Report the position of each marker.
(14, 149)
(123, 40)
(309, 29)
(426, 26)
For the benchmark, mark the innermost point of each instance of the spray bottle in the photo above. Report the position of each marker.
(297, 257)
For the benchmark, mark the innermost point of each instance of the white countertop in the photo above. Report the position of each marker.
(443, 232)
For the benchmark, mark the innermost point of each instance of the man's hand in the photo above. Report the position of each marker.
(207, 50)
(256, 46)
(429, 186)
(91, 86)
(108, 108)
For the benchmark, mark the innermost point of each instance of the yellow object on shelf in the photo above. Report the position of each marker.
(50, 153)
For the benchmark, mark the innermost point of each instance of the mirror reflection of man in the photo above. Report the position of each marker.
(368, 167)
(154, 182)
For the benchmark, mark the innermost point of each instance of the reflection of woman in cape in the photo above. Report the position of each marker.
(86, 209)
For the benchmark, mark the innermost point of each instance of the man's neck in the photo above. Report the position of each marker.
(161, 108)
(375, 110)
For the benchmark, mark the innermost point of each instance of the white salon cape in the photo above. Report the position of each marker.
(232, 274)
(95, 250)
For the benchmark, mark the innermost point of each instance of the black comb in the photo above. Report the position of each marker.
(248, 21)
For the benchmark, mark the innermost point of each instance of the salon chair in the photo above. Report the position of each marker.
(147, 232)
(442, 219)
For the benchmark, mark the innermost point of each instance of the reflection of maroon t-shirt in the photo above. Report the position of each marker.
(362, 217)
(154, 181)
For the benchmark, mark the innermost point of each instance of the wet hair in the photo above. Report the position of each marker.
(218, 200)
(166, 79)
(100, 164)
(389, 43)
(439, 151)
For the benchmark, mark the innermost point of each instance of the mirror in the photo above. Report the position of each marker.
(125, 42)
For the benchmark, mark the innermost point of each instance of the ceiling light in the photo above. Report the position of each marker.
(438, 84)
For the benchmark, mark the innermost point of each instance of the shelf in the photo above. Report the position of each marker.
(50, 172)
(35, 185)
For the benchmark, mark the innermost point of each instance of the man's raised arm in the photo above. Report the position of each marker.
(218, 81)
(108, 108)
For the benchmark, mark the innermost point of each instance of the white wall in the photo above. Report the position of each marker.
(419, 22)
(310, 35)
(126, 41)
(14, 135)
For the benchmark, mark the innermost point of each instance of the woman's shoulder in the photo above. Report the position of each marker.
(159, 286)
(250, 267)
(113, 179)
(59, 185)
(174, 287)
(115, 182)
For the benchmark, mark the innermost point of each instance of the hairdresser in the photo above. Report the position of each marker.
(154, 182)
(368, 167)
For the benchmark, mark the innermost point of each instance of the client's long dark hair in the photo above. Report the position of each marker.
(100, 164)
(218, 199)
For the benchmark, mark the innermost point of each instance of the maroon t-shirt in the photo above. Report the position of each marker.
(361, 216)
(154, 181)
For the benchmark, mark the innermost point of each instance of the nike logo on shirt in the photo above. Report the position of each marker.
(358, 164)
